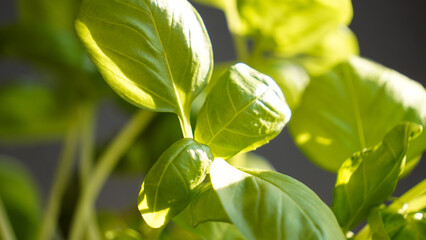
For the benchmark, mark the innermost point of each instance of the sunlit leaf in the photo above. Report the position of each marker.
(154, 53)
(20, 197)
(352, 107)
(368, 178)
(244, 110)
(293, 26)
(269, 205)
(250, 160)
(336, 46)
(171, 183)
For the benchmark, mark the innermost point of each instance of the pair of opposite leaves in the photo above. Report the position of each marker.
(244, 121)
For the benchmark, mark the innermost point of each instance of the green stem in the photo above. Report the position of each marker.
(241, 49)
(6, 231)
(60, 182)
(86, 161)
(185, 125)
(103, 169)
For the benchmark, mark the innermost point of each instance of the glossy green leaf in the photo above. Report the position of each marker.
(352, 107)
(244, 110)
(290, 76)
(250, 160)
(206, 206)
(293, 25)
(20, 198)
(171, 183)
(21, 120)
(269, 205)
(335, 47)
(154, 53)
(368, 178)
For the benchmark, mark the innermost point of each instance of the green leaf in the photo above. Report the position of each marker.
(250, 160)
(207, 230)
(154, 53)
(292, 26)
(21, 120)
(335, 47)
(352, 107)
(123, 234)
(384, 223)
(206, 206)
(244, 110)
(171, 183)
(20, 197)
(368, 178)
(415, 228)
(401, 217)
(269, 205)
(290, 76)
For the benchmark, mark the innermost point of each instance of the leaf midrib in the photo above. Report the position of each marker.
(237, 114)
(173, 158)
(356, 108)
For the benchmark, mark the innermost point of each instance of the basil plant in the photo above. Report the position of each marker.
(297, 65)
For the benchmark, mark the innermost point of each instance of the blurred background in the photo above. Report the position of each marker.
(390, 32)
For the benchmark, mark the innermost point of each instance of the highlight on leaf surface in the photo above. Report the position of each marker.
(352, 107)
(269, 205)
(154, 53)
(368, 178)
(244, 110)
(171, 183)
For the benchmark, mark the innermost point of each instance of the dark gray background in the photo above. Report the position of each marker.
(390, 32)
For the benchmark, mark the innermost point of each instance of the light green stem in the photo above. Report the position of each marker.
(241, 49)
(6, 231)
(185, 125)
(60, 182)
(86, 161)
(103, 169)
